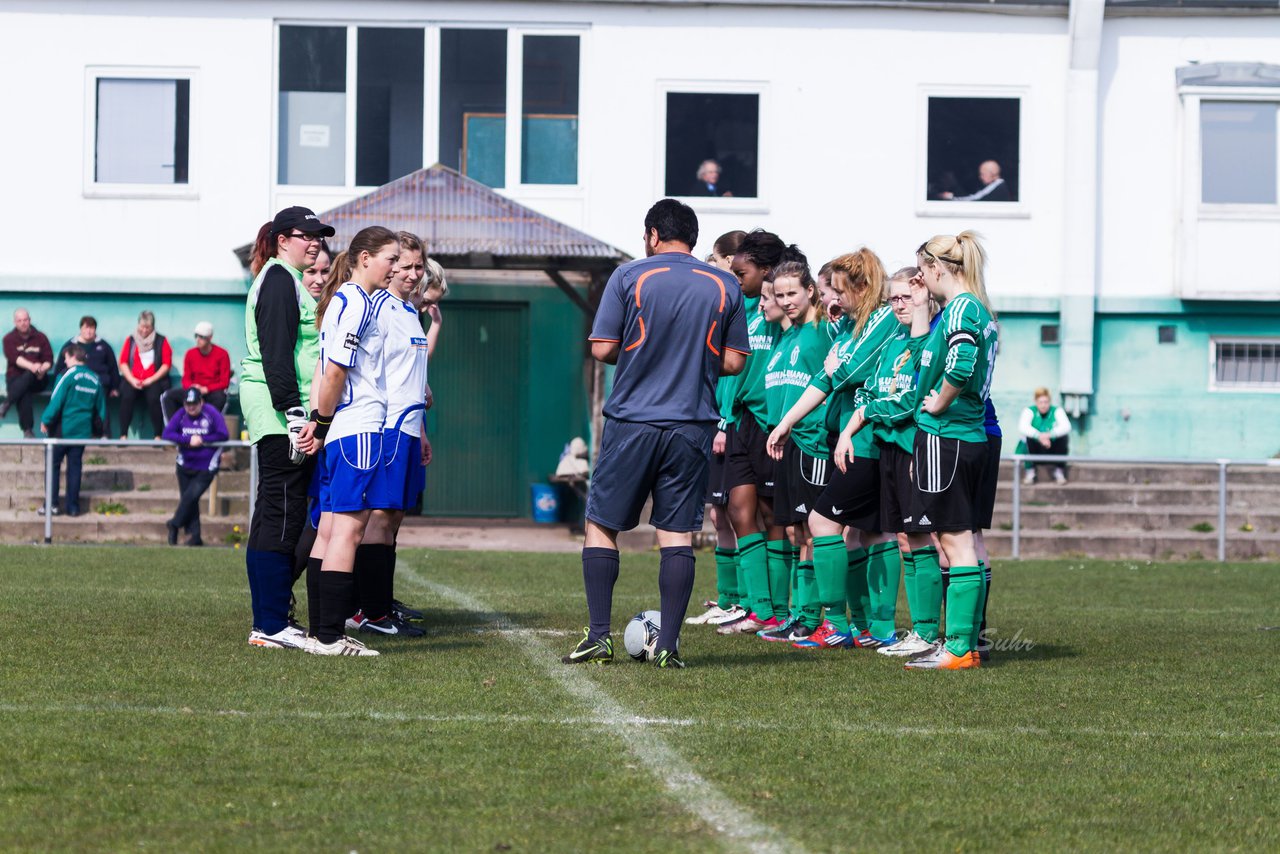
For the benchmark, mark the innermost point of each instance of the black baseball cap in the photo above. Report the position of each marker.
(303, 219)
(193, 395)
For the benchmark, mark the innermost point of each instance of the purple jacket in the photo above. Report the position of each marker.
(209, 425)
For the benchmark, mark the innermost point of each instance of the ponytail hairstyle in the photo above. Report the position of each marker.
(264, 249)
(410, 241)
(762, 248)
(963, 257)
(800, 270)
(369, 240)
(859, 277)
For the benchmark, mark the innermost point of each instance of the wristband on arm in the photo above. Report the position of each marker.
(322, 423)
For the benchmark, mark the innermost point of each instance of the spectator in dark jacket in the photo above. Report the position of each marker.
(101, 359)
(77, 410)
(192, 429)
(145, 360)
(30, 359)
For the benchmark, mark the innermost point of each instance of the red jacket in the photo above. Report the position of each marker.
(130, 356)
(212, 371)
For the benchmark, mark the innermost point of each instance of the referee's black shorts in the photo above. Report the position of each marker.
(947, 476)
(637, 460)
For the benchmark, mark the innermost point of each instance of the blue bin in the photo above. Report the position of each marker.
(546, 503)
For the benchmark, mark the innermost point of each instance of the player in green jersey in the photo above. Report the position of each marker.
(950, 448)
(886, 405)
(727, 606)
(852, 498)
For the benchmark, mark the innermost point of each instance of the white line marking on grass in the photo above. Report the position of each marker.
(635, 720)
(692, 791)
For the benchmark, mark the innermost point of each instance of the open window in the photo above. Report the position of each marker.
(712, 144)
(973, 149)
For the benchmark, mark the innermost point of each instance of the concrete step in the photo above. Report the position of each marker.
(134, 501)
(1155, 474)
(27, 527)
(33, 453)
(1149, 518)
(1140, 495)
(25, 477)
(1124, 543)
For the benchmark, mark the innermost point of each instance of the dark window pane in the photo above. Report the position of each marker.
(388, 104)
(313, 105)
(549, 142)
(1238, 152)
(723, 128)
(966, 135)
(473, 103)
(141, 131)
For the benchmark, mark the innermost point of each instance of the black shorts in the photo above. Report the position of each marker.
(990, 482)
(801, 482)
(852, 497)
(748, 461)
(947, 478)
(895, 487)
(637, 460)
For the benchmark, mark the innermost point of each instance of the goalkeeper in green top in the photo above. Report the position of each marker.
(853, 579)
(950, 449)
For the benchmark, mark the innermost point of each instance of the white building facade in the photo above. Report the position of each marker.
(1137, 145)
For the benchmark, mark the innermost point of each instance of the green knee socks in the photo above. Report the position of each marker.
(883, 570)
(964, 607)
(807, 587)
(859, 596)
(753, 569)
(928, 608)
(831, 569)
(727, 591)
(779, 552)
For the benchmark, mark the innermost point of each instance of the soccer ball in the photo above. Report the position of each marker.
(641, 636)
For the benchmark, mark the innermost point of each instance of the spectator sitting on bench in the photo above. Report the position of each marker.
(30, 358)
(145, 360)
(192, 429)
(102, 360)
(207, 368)
(1044, 429)
(77, 410)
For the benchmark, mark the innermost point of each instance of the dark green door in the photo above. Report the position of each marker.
(478, 377)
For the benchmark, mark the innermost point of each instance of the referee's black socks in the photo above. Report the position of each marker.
(599, 574)
(675, 585)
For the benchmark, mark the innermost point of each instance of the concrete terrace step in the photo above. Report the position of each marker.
(1095, 473)
(1139, 495)
(1149, 518)
(32, 453)
(1122, 543)
(25, 526)
(134, 501)
(24, 477)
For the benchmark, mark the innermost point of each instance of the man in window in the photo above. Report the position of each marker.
(994, 189)
(30, 359)
(708, 183)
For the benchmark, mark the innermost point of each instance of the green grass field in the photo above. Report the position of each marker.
(136, 717)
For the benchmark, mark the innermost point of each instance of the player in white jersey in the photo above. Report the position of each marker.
(351, 405)
(406, 449)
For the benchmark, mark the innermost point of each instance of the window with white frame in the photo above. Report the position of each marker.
(712, 144)
(354, 101)
(1238, 152)
(973, 148)
(1245, 364)
(141, 130)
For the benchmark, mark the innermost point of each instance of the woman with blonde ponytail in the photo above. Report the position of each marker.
(950, 449)
(851, 498)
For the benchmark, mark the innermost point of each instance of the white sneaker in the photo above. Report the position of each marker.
(912, 644)
(734, 612)
(342, 646)
(355, 621)
(1029, 477)
(289, 637)
(1059, 476)
(706, 616)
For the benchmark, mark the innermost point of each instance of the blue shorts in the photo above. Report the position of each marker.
(637, 460)
(350, 463)
(319, 476)
(402, 477)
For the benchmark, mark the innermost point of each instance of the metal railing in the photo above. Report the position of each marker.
(1050, 459)
(50, 444)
